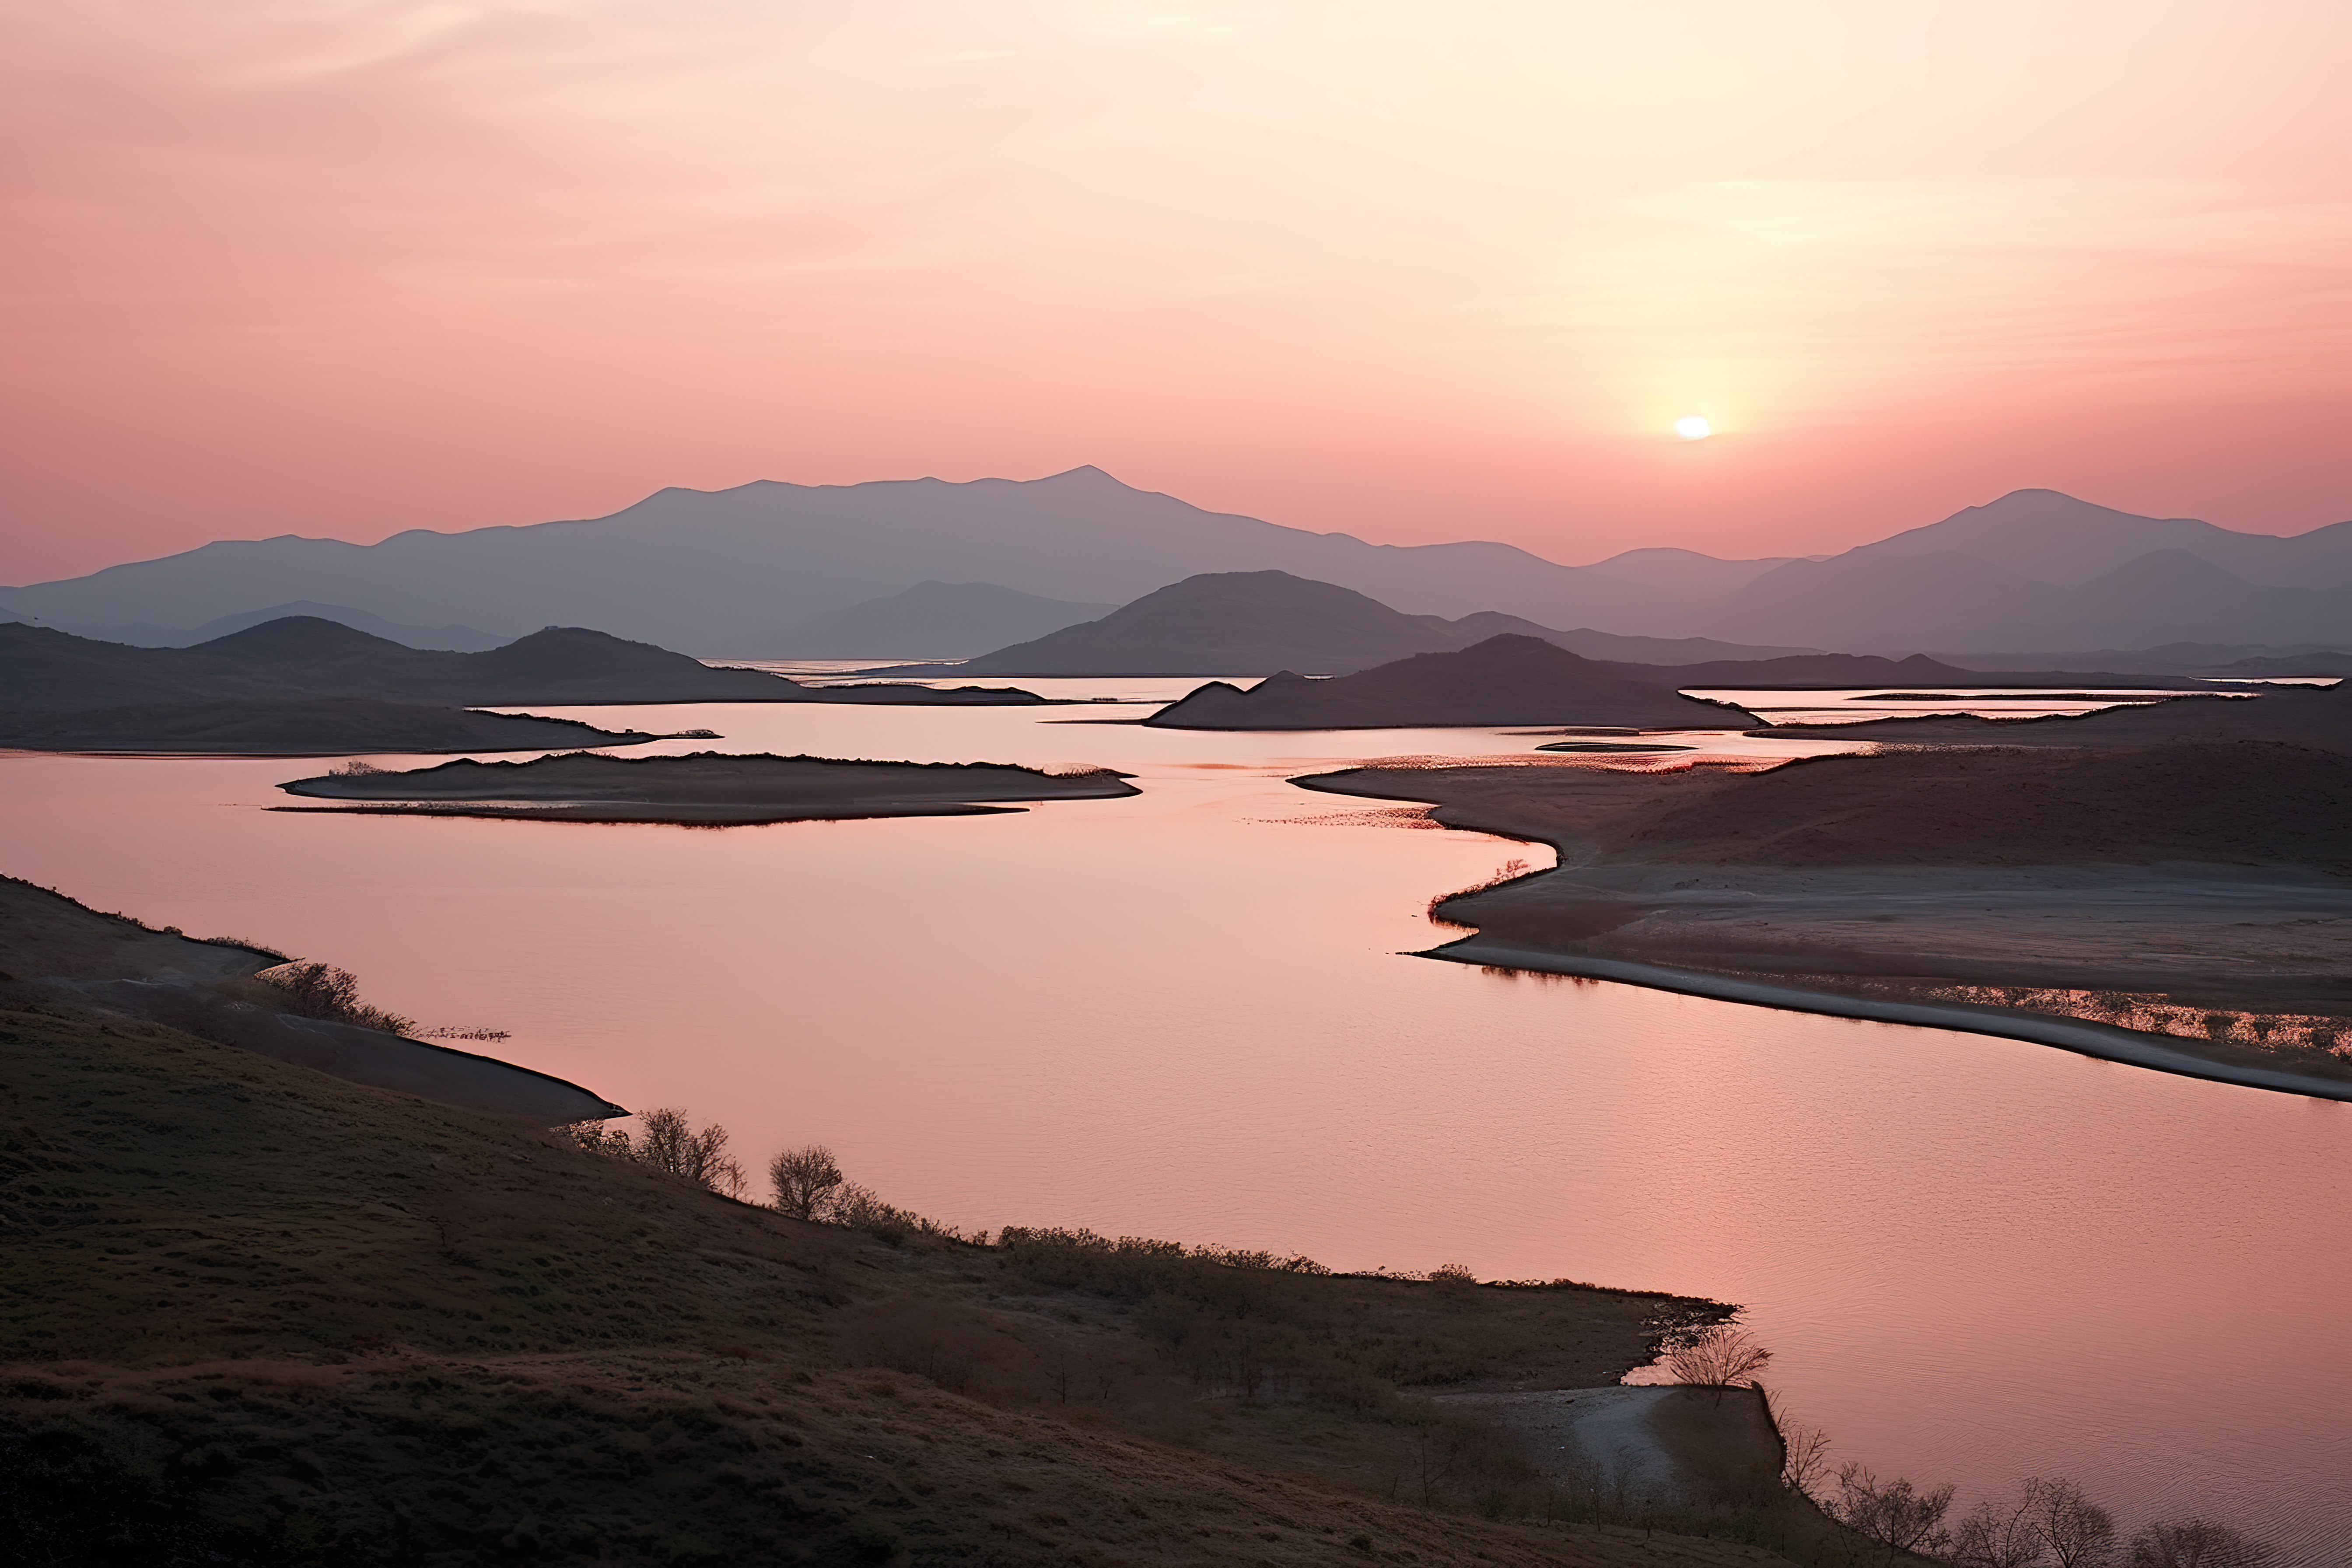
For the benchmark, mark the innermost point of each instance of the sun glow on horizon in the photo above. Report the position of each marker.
(1691, 427)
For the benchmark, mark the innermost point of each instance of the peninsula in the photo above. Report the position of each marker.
(2186, 905)
(253, 1312)
(63, 954)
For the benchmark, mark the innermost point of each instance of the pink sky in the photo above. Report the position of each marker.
(1419, 272)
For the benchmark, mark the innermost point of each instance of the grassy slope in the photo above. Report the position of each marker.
(253, 1314)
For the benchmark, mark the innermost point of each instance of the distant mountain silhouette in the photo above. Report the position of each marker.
(930, 620)
(1507, 680)
(2050, 537)
(1703, 579)
(702, 570)
(707, 571)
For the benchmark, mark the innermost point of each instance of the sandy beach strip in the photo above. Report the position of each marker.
(2103, 1041)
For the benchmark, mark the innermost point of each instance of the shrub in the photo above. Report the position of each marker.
(1715, 1356)
(668, 1142)
(323, 991)
(2198, 1543)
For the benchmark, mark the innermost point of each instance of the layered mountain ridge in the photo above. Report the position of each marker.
(714, 571)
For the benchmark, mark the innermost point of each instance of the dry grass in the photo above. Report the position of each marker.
(252, 1314)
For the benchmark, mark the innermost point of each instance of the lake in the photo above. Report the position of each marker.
(1188, 1014)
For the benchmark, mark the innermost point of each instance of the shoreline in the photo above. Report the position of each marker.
(2103, 1041)
(661, 816)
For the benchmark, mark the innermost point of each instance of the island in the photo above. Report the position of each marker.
(702, 789)
(1507, 680)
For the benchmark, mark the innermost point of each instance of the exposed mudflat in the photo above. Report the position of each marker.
(707, 788)
(2270, 941)
(2142, 886)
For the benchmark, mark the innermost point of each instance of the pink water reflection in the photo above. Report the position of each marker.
(1183, 1015)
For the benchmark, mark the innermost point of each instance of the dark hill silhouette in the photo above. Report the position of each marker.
(930, 620)
(303, 657)
(453, 639)
(2313, 716)
(1505, 679)
(1249, 623)
(2237, 802)
(298, 727)
(1837, 671)
(1229, 623)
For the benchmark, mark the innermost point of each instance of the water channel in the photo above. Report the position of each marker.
(1188, 1014)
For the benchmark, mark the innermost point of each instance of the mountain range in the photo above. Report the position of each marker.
(719, 572)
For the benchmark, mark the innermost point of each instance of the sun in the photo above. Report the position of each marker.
(1691, 427)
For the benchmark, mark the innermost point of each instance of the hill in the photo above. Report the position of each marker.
(930, 620)
(1251, 623)
(2315, 716)
(452, 639)
(2248, 803)
(1508, 680)
(302, 658)
(1228, 623)
(298, 727)
(250, 1313)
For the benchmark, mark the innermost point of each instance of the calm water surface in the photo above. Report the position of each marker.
(1185, 1015)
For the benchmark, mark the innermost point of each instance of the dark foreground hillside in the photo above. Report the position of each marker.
(251, 1314)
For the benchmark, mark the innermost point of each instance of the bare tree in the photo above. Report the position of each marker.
(805, 1181)
(1716, 1356)
(1894, 1512)
(2198, 1543)
(669, 1143)
(1999, 1537)
(1806, 1457)
(2078, 1532)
